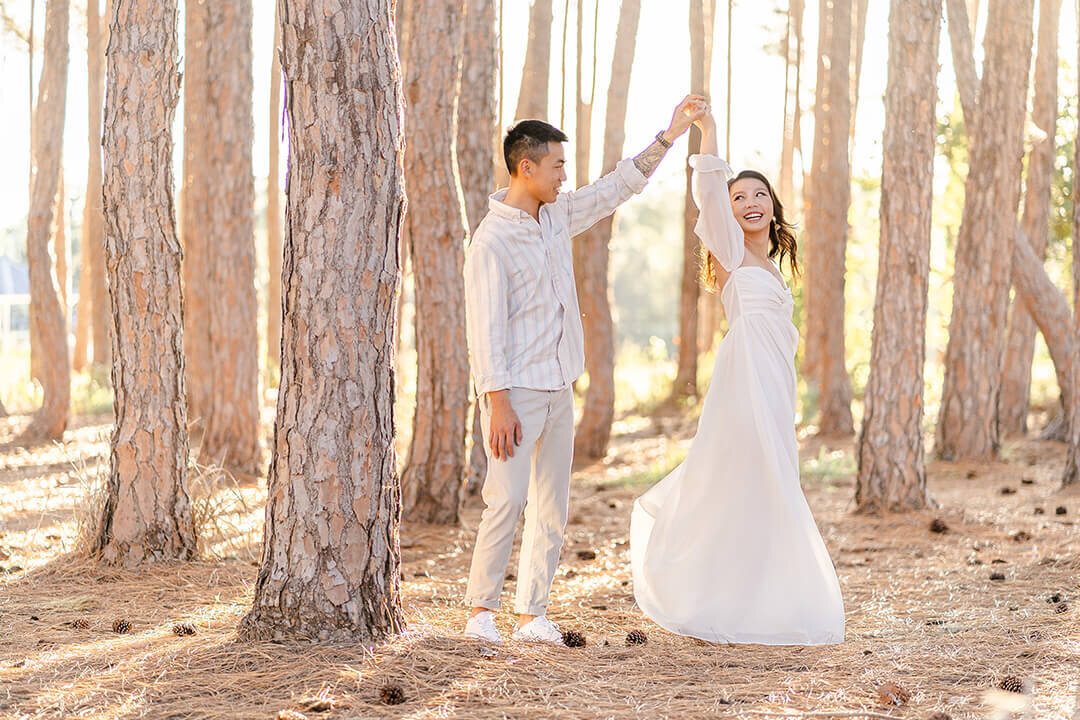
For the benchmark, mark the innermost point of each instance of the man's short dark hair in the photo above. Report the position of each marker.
(529, 139)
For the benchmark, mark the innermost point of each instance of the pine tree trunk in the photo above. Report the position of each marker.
(858, 40)
(826, 221)
(60, 243)
(331, 555)
(147, 513)
(1071, 475)
(701, 32)
(963, 53)
(533, 95)
(102, 315)
(968, 424)
(786, 182)
(591, 258)
(435, 470)
(892, 469)
(48, 326)
(273, 213)
(476, 129)
(231, 433)
(1020, 346)
(195, 213)
(92, 241)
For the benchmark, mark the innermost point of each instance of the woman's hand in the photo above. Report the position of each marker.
(706, 122)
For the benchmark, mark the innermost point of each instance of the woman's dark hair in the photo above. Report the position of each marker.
(529, 139)
(781, 234)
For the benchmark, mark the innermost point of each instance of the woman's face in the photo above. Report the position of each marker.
(752, 205)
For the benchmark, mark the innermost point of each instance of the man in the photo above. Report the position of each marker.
(526, 348)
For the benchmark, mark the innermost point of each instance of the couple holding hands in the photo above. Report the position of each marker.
(724, 548)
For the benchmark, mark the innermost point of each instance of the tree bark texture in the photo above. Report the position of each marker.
(99, 304)
(1020, 346)
(533, 94)
(147, 513)
(892, 469)
(963, 54)
(702, 13)
(48, 327)
(476, 135)
(331, 553)
(968, 424)
(435, 470)
(591, 257)
(231, 433)
(273, 212)
(195, 213)
(826, 220)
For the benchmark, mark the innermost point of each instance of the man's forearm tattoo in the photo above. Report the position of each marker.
(647, 160)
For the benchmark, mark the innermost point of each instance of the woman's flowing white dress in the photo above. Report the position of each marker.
(725, 547)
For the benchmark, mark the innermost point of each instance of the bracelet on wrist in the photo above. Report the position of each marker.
(662, 140)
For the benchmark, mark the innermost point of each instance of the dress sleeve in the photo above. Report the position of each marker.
(716, 225)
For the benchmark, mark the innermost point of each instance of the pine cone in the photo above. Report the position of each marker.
(572, 638)
(586, 555)
(892, 693)
(1021, 536)
(1008, 491)
(392, 695)
(181, 629)
(121, 626)
(1060, 510)
(79, 624)
(1061, 607)
(1011, 683)
(636, 637)
(938, 526)
(997, 576)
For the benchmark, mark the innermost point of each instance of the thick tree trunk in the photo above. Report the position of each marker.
(826, 221)
(968, 424)
(591, 258)
(476, 130)
(47, 320)
(195, 213)
(702, 13)
(892, 469)
(331, 554)
(231, 434)
(435, 470)
(533, 94)
(273, 213)
(1071, 475)
(99, 304)
(147, 514)
(1020, 347)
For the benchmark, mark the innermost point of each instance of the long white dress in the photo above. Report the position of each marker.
(725, 548)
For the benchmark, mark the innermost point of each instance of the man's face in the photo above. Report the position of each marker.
(545, 178)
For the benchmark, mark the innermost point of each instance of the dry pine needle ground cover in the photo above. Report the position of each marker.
(929, 631)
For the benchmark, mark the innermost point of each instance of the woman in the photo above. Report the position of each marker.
(725, 548)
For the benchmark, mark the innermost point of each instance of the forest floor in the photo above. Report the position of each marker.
(922, 609)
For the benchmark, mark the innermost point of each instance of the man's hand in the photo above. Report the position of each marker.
(505, 428)
(690, 110)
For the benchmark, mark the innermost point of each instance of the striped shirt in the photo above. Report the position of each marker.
(521, 307)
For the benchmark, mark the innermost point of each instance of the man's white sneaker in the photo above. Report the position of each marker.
(482, 627)
(540, 629)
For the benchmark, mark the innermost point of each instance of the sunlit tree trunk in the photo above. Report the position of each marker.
(102, 316)
(968, 423)
(702, 13)
(826, 221)
(330, 564)
(435, 469)
(892, 468)
(147, 513)
(273, 213)
(1072, 458)
(49, 330)
(1020, 346)
(476, 133)
(591, 258)
(533, 94)
(792, 61)
(231, 432)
